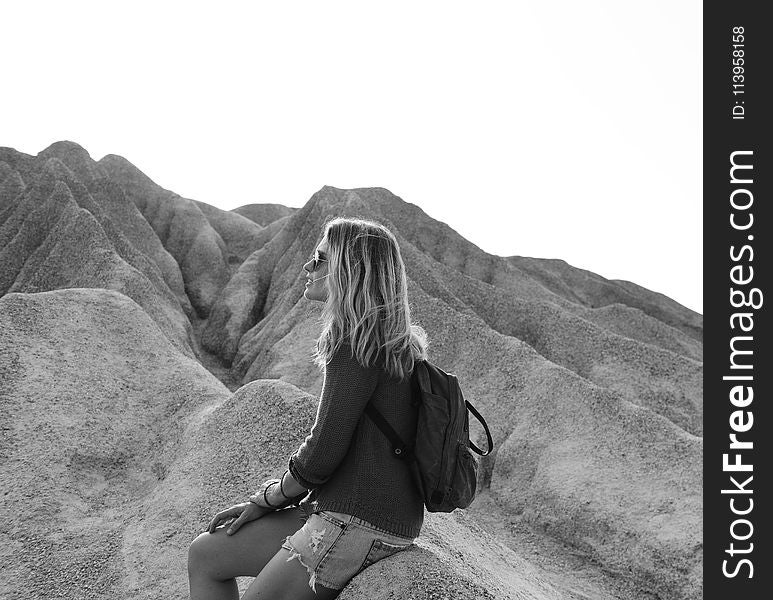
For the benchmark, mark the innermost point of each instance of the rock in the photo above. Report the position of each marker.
(264, 214)
(96, 396)
(592, 388)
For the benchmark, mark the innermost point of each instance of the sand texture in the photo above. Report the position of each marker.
(155, 367)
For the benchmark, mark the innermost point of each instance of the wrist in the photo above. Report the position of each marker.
(267, 496)
(276, 494)
(290, 486)
(255, 505)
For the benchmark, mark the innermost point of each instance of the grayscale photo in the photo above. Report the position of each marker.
(351, 300)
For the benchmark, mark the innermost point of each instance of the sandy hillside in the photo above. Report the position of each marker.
(155, 367)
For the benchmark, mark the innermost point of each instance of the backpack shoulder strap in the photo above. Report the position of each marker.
(421, 377)
(482, 421)
(401, 449)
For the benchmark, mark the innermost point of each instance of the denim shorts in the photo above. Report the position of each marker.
(334, 547)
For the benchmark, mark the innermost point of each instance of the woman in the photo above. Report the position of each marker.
(363, 505)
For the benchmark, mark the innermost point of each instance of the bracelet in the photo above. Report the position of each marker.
(281, 489)
(265, 491)
(260, 498)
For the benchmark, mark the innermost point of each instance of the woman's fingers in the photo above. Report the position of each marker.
(239, 514)
(235, 525)
(223, 516)
(250, 512)
(215, 523)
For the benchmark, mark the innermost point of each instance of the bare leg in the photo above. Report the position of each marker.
(216, 559)
(283, 579)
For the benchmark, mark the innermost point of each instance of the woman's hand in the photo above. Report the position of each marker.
(239, 514)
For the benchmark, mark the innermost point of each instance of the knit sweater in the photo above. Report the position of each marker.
(347, 461)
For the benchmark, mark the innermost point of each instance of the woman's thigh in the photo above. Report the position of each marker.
(330, 549)
(246, 552)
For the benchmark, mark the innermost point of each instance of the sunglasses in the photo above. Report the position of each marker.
(316, 259)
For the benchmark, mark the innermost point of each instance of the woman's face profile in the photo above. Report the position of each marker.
(317, 274)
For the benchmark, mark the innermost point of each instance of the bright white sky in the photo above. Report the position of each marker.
(547, 128)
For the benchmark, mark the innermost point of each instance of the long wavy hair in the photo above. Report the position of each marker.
(367, 303)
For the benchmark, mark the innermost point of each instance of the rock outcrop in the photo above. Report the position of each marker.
(115, 294)
(264, 214)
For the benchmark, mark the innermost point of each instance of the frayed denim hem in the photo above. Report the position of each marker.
(312, 572)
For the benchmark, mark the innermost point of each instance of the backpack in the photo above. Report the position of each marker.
(441, 458)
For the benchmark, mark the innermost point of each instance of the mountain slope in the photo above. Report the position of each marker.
(114, 292)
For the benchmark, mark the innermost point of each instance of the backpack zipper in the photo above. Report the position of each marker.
(445, 441)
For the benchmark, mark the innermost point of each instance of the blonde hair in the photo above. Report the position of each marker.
(367, 303)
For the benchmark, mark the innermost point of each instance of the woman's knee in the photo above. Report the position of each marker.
(201, 553)
(220, 556)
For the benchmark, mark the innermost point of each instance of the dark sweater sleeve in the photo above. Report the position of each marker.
(346, 390)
